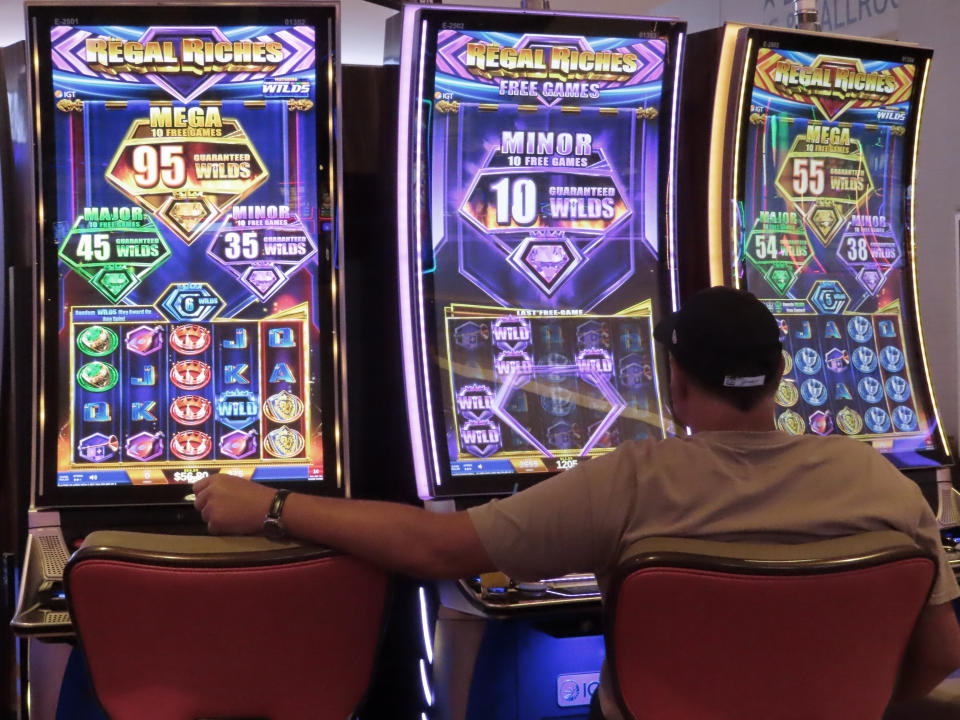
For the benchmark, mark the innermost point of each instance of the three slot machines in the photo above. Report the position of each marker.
(536, 251)
(186, 292)
(806, 198)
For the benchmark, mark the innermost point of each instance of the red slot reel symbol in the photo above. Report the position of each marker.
(190, 339)
(190, 374)
(191, 445)
(191, 409)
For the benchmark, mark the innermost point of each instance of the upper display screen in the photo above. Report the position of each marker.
(543, 246)
(192, 234)
(828, 151)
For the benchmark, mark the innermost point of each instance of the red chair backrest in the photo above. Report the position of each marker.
(694, 637)
(288, 638)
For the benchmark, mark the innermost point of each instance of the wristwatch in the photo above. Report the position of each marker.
(272, 525)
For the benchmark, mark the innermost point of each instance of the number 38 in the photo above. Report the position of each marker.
(152, 167)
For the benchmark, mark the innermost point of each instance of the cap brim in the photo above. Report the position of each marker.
(663, 331)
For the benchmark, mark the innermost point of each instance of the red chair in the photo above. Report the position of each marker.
(700, 630)
(181, 628)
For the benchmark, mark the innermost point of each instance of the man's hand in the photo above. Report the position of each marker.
(232, 506)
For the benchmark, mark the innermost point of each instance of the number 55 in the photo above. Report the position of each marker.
(808, 176)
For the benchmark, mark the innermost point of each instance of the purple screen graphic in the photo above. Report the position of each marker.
(544, 213)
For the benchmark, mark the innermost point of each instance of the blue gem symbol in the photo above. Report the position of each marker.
(898, 389)
(904, 419)
(860, 328)
(877, 419)
(829, 297)
(870, 389)
(864, 359)
(814, 392)
(190, 301)
(808, 360)
(891, 358)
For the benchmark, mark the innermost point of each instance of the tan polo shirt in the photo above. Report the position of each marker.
(725, 486)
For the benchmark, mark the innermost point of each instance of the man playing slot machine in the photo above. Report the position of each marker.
(736, 478)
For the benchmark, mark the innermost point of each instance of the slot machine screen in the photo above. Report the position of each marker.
(829, 132)
(540, 234)
(188, 225)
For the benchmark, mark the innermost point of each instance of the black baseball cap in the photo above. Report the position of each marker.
(724, 338)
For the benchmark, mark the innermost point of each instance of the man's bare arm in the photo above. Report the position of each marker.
(933, 652)
(397, 537)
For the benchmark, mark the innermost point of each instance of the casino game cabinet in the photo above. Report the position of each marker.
(16, 179)
(536, 250)
(184, 271)
(799, 161)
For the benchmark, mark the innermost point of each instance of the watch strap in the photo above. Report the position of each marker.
(272, 526)
(276, 507)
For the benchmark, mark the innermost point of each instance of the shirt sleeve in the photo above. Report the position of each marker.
(572, 522)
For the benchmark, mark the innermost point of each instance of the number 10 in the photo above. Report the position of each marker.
(519, 205)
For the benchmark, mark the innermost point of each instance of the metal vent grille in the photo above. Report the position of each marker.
(54, 555)
(56, 618)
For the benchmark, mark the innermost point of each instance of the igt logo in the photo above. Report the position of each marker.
(576, 688)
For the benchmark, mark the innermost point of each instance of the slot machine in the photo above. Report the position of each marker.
(801, 175)
(186, 294)
(536, 252)
(16, 178)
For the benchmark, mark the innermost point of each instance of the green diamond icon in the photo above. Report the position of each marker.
(780, 279)
(115, 282)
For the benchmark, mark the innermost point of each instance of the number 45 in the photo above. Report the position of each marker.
(94, 247)
(808, 176)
